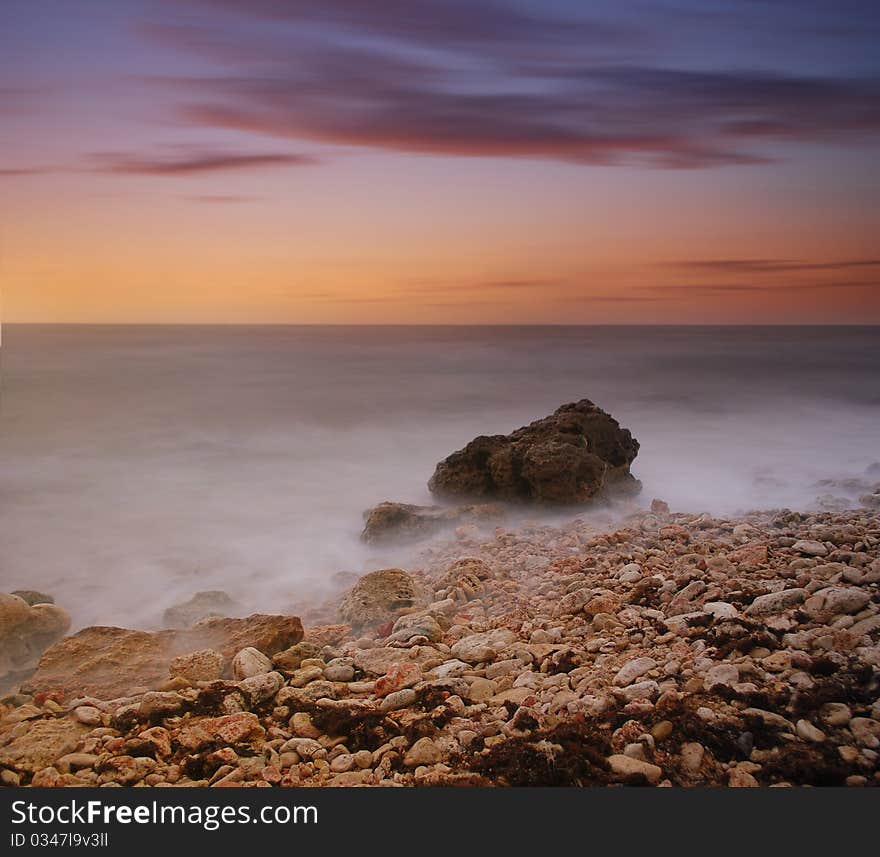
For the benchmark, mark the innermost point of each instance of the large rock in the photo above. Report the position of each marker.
(109, 662)
(406, 522)
(575, 455)
(41, 744)
(265, 632)
(379, 597)
(203, 605)
(26, 630)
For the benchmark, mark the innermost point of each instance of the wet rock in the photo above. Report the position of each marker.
(202, 605)
(572, 456)
(265, 632)
(107, 662)
(103, 662)
(379, 597)
(26, 630)
(389, 522)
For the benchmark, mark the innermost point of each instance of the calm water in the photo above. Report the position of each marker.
(141, 464)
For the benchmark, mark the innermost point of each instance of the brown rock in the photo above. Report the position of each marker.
(107, 662)
(213, 602)
(42, 743)
(406, 522)
(379, 597)
(203, 665)
(571, 456)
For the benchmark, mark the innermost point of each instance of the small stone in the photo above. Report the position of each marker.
(808, 547)
(160, 704)
(692, 756)
(632, 670)
(809, 732)
(398, 699)
(424, 752)
(363, 759)
(343, 763)
(482, 689)
(737, 778)
(301, 725)
(250, 662)
(259, 688)
(777, 662)
(722, 674)
(339, 669)
(662, 730)
(866, 731)
(87, 715)
(400, 676)
(76, 761)
(776, 602)
(835, 714)
(624, 767)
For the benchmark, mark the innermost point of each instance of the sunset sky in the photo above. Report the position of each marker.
(440, 161)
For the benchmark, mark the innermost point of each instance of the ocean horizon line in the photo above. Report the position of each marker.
(368, 325)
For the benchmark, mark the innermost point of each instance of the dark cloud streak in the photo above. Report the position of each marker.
(192, 163)
(488, 78)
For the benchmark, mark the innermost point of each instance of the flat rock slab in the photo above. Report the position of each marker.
(42, 743)
(108, 662)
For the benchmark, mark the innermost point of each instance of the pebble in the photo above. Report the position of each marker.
(632, 670)
(87, 715)
(625, 767)
(809, 732)
(250, 662)
(424, 752)
(398, 699)
(809, 547)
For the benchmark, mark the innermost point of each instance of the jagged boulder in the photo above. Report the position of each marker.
(576, 455)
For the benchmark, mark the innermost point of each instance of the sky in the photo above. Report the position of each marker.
(440, 161)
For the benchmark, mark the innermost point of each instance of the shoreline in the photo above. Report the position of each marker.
(674, 649)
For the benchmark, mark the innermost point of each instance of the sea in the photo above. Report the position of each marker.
(140, 464)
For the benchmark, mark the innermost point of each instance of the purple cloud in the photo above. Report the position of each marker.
(192, 162)
(486, 78)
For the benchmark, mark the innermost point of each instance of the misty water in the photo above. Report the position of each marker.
(141, 464)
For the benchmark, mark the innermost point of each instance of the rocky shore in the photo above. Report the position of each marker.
(660, 649)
